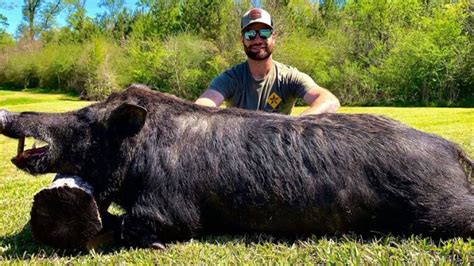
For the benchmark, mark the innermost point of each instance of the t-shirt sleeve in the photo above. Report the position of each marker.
(302, 83)
(224, 84)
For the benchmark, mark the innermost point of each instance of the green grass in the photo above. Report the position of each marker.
(17, 190)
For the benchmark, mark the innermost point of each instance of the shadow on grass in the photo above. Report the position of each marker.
(260, 238)
(21, 246)
(377, 238)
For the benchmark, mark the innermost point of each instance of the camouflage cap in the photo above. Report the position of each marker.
(255, 15)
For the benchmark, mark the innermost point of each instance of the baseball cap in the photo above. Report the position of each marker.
(256, 15)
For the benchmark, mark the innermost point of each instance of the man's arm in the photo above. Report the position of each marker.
(210, 98)
(320, 101)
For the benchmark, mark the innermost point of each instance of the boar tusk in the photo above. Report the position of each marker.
(21, 145)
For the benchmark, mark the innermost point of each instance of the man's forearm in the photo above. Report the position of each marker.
(323, 104)
(210, 98)
(326, 107)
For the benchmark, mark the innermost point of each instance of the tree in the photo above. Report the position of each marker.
(49, 13)
(39, 15)
(3, 21)
(30, 11)
(77, 13)
(117, 20)
(82, 26)
(157, 19)
(3, 18)
(208, 18)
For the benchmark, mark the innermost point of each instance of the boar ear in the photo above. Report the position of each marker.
(127, 119)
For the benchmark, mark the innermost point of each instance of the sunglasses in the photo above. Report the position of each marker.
(252, 34)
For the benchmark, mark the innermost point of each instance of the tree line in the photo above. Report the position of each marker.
(367, 52)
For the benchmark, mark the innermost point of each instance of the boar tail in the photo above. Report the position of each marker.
(468, 167)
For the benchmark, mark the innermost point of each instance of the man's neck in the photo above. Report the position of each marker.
(259, 69)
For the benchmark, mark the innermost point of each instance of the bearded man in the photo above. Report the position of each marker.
(261, 83)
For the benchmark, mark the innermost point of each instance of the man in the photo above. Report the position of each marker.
(261, 83)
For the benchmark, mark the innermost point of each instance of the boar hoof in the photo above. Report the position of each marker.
(157, 245)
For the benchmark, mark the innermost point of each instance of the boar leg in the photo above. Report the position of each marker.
(135, 232)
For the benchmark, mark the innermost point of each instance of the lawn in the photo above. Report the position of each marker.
(17, 190)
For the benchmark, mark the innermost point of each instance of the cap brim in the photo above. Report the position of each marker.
(257, 21)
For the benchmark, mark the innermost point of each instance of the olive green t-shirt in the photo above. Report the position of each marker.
(276, 92)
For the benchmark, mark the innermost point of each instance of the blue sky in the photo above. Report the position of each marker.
(13, 13)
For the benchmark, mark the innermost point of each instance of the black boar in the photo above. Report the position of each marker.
(181, 170)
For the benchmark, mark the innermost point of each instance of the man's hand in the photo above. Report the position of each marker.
(211, 98)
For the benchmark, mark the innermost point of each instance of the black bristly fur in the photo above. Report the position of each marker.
(194, 170)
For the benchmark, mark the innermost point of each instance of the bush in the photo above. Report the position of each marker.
(188, 65)
(427, 65)
(59, 67)
(92, 70)
(6, 41)
(146, 59)
(20, 67)
(100, 64)
(182, 65)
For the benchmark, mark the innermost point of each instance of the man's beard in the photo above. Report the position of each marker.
(262, 54)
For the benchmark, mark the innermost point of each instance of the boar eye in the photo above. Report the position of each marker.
(127, 119)
(85, 115)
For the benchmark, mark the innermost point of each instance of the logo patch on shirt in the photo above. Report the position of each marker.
(274, 100)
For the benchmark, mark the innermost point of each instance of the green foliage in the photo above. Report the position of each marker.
(49, 13)
(162, 19)
(118, 22)
(82, 27)
(58, 66)
(429, 64)
(93, 69)
(6, 40)
(3, 22)
(19, 70)
(146, 57)
(207, 18)
(400, 52)
(101, 79)
(182, 65)
(308, 54)
(186, 62)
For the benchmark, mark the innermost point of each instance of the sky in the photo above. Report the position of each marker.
(12, 10)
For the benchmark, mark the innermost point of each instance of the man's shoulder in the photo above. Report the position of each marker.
(230, 78)
(292, 76)
(285, 69)
(235, 71)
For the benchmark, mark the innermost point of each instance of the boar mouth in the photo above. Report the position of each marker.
(34, 160)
